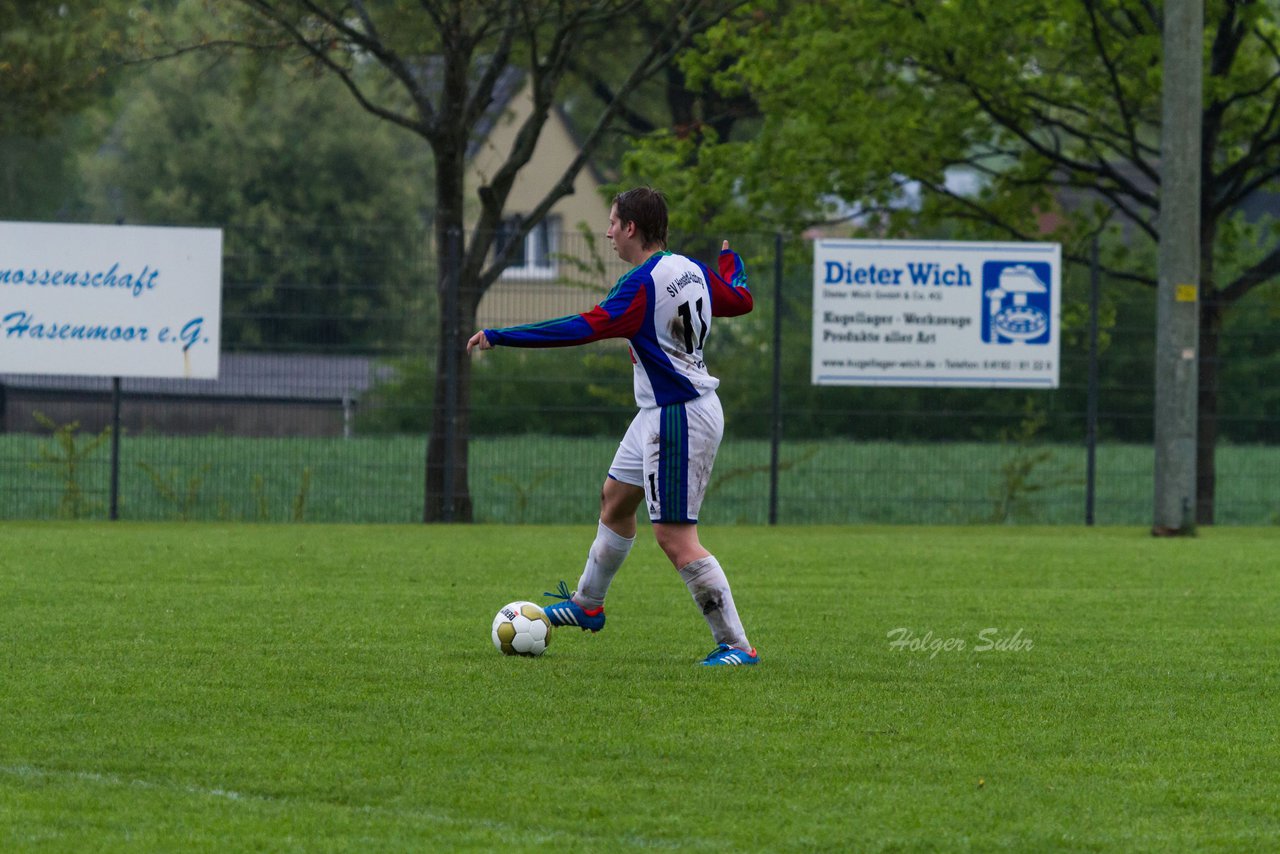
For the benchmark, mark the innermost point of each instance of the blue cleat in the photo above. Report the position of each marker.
(730, 655)
(567, 612)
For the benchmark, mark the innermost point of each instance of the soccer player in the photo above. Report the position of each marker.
(663, 307)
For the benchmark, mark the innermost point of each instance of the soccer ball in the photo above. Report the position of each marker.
(521, 628)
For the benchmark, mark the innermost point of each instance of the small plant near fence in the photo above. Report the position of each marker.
(67, 456)
(183, 497)
(297, 507)
(523, 492)
(1022, 474)
(720, 478)
(300, 497)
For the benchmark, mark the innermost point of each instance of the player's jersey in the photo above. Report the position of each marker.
(663, 308)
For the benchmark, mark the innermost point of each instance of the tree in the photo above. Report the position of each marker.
(669, 103)
(318, 208)
(1048, 111)
(432, 67)
(53, 57)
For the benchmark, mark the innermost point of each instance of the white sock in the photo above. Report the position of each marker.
(710, 589)
(607, 553)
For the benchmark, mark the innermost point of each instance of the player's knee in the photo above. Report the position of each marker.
(679, 543)
(612, 511)
(668, 549)
(618, 504)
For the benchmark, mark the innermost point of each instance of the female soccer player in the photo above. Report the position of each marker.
(663, 307)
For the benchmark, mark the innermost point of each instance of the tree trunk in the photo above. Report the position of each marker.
(438, 451)
(447, 494)
(1207, 410)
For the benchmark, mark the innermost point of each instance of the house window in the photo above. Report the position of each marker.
(535, 257)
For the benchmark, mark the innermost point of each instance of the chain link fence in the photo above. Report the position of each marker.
(323, 406)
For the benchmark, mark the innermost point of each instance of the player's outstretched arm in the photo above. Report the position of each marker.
(479, 341)
(618, 316)
(730, 296)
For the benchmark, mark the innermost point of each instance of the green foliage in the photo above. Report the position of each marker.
(578, 392)
(401, 400)
(1019, 119)
(57, 60)
(67, 457)
(54, 57)
(1251, 364)
(323, 208)
(877, 109)
(39, 176)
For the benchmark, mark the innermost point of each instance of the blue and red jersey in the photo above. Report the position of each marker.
(663, 308)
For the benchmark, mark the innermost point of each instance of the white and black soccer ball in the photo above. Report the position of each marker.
(521, 628)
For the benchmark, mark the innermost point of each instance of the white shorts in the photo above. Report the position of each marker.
(668, 452)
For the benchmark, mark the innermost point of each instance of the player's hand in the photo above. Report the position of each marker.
(725, 246)
(479, 341)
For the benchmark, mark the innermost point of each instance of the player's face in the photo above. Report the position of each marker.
(621, 235)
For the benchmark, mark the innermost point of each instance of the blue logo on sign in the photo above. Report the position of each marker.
(1016, 302)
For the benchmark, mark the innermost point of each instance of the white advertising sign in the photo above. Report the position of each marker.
(917, 313)
(110, 300)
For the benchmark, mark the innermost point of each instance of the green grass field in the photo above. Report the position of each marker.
(209, 687)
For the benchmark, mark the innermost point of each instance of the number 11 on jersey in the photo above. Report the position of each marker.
(687, 316)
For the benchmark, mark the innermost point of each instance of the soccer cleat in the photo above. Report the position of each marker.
(567, 612)
(730, 655)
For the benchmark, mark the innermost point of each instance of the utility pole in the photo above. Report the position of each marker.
(1178, 290)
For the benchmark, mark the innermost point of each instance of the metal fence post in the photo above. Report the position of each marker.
(1091, 418)
(113, 512)
(453, 257)
(776, 437)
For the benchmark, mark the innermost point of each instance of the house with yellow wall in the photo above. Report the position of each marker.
(565, 264)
